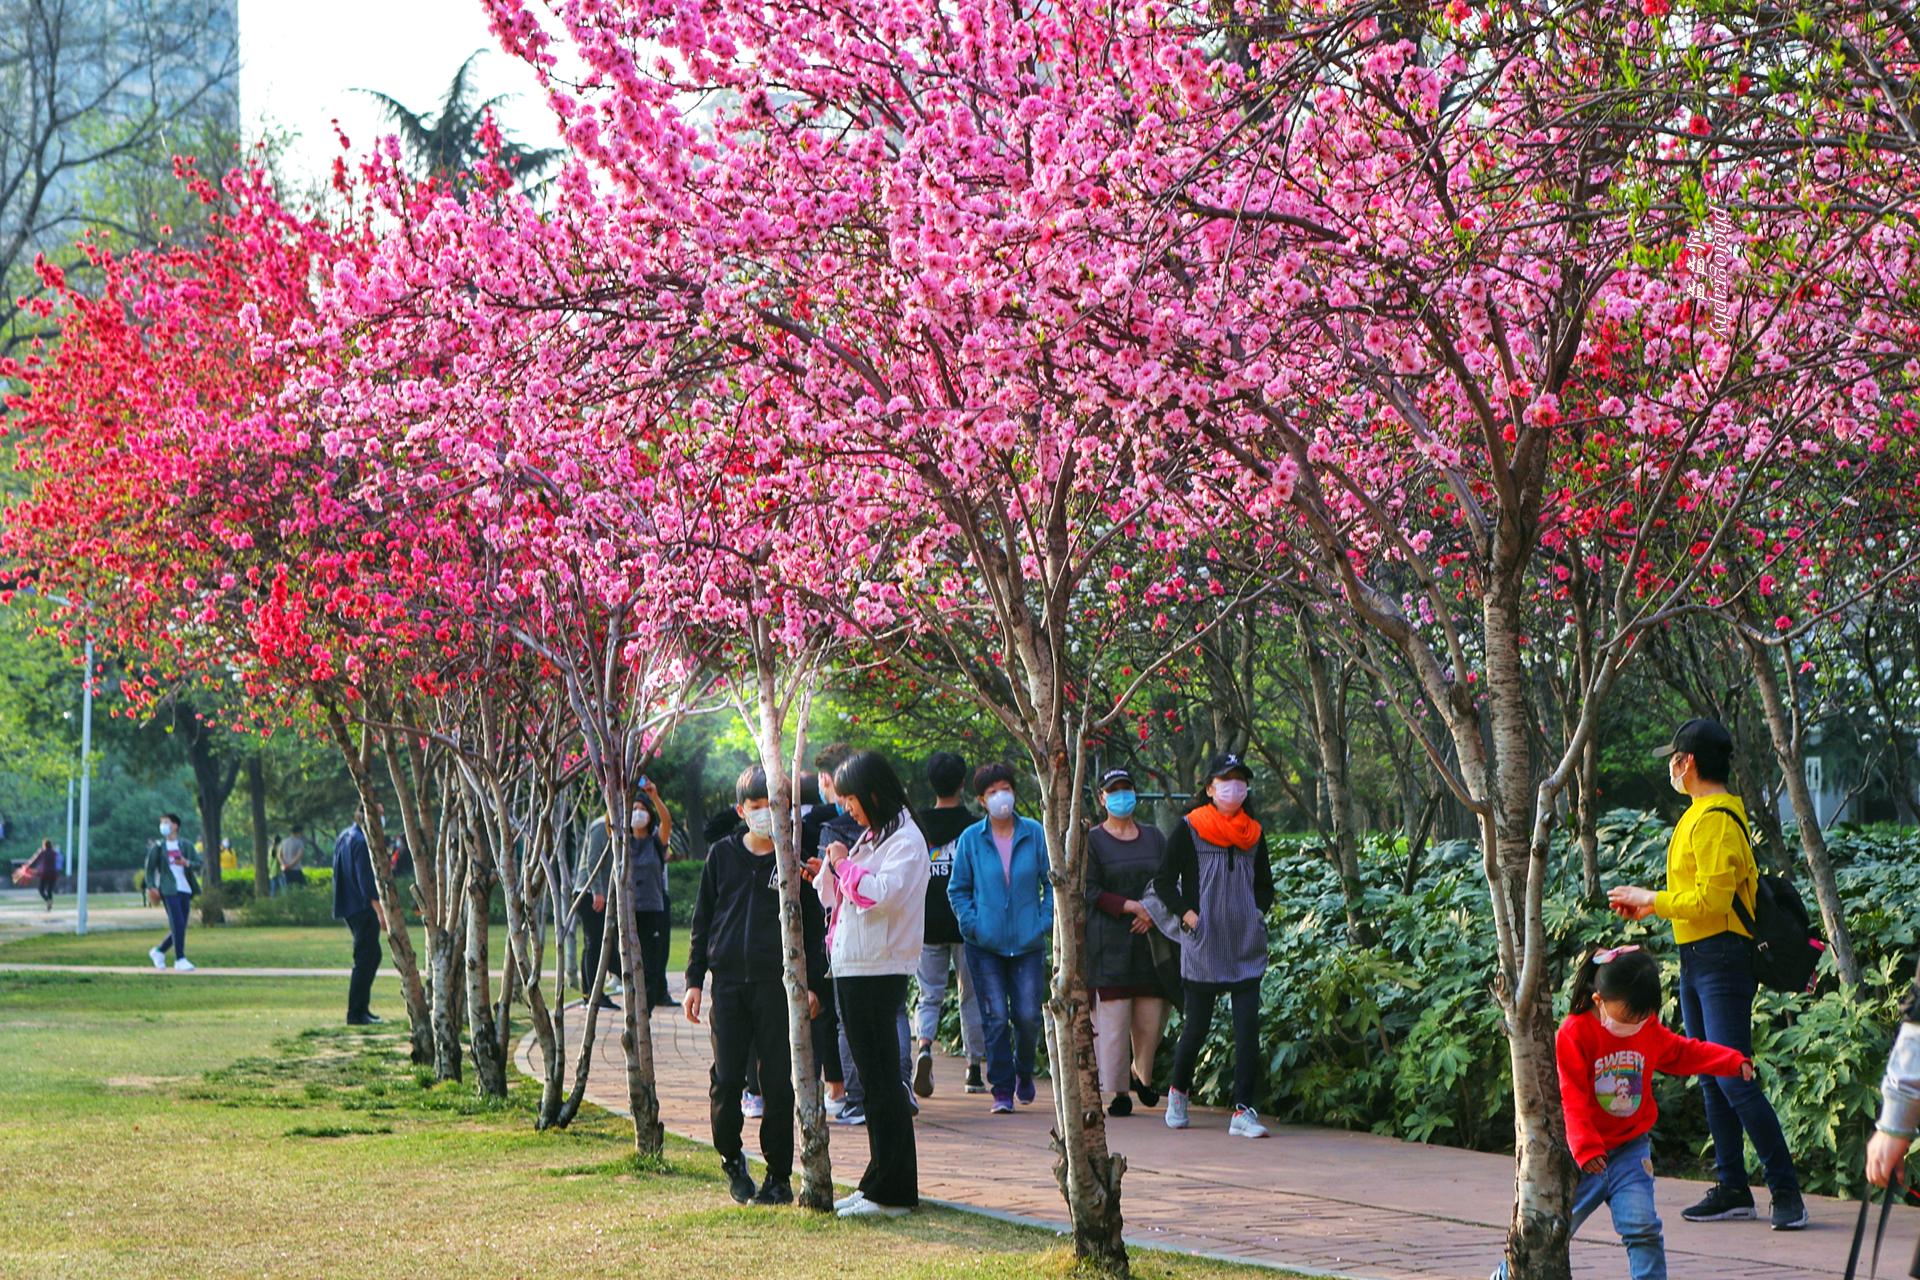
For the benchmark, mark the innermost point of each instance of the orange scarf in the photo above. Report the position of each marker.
(1238, 832)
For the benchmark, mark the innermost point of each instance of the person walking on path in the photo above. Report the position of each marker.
(651, 828)
(1899, 1122)
(1218, 881)
(291, 855)
(173, 880)
(590, 912)
(737, 939)
(943, 952)
(43, 868)
(1004, 904)
(1607, 1050)
(1130, 1007)
(1710, 867)
(356, 901)
(876, 895)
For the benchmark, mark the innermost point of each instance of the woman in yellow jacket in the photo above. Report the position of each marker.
(1709, 863)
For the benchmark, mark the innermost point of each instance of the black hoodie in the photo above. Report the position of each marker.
(736, 920)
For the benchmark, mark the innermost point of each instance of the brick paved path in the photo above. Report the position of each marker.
(1315, 1200)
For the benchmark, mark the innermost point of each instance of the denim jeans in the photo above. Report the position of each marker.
(1716, 1004)
(1009, 990)
(179, 908)
(935, 960)
(1625, 1186)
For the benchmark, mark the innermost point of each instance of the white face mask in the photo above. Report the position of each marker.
(1624, 1030)
(639, 820)
(1676, 778)
(760, 822)
(1000, 805)
(166, 829)
(1230, 793)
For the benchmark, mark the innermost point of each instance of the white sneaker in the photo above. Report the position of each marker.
(751, 1106)
(865, 1208)
(834, 1105)
(183, 965)
(158, 957)
(845, 1202)
(1176, 1109)
(1246, 1124)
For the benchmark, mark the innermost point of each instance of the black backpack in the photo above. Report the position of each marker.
(1786, 946)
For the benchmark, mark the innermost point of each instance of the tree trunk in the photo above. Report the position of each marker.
(1544, 1174)
(1586, 819)
(257, 795)
(1813, 841)
(212, 784)
(441, 907)
(1088, 1172)
(643, 1100)
(489, 1064)
(816, 1166)
(1330, 738)
(446, 1006)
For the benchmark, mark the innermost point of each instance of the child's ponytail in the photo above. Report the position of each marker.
(1626, 974)
(1583, 983)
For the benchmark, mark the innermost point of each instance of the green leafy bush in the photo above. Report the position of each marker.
(1403, 1037)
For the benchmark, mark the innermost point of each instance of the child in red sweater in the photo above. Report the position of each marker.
(1608, 1049)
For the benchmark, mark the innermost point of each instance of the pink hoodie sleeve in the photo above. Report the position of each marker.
(851, 874)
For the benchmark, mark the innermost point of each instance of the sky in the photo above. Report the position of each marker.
(300, 64)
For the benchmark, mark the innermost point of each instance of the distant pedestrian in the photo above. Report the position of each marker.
(1899, 1122)
(650, 827)
(1131, 1005)
(173, 880)
(292, 855)
(1218, 879)
(1712, 880)
(944, 951)
(590, 913)
(1004, 904)
(1608, 1050)
(43, 868)
(356, 901)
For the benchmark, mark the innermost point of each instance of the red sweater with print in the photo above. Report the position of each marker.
(1606, 1081)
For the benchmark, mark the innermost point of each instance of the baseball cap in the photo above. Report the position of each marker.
(1228, 762)
(1112, 776)
(1707, 740)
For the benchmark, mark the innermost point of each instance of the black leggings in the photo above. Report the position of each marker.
(870, 1012)
(1197, 1017)
(47, 884)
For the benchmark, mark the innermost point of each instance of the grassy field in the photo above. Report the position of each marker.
(227, 946)
(229, 1128)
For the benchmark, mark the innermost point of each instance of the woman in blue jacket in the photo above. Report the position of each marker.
(1001, 898)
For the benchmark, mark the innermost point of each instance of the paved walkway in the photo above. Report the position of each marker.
(1313, 1200)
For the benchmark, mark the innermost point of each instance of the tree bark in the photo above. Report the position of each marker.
(257, 795)
(643, 1100)
(489, 1063)
(1330, 738)
(212, 784)
(1788, 751)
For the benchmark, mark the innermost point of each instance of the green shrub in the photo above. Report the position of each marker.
(683, 885)
(295, 905)
(1403, 1037)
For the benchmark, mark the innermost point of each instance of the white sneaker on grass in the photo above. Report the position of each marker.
(848, 1200)
(865, 1208)
(1176, 1109)
(834, 1105)
(183, 965)
(1246, 1124)
(158, 957)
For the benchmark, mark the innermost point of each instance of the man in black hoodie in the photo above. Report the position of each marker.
(736, 937)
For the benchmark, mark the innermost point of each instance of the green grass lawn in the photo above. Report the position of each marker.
(230, 1128)
(226, 946)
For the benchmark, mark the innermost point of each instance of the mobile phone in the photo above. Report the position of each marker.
(643, 782)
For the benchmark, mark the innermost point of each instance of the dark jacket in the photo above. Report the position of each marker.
(159, 877)
(736, 931)
(942, 828)
(1118, 871)
(354, 888)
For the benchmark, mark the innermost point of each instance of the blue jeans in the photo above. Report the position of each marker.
(1716, 1004)
(1009, 989)
(1625, 1186)
(179, 908)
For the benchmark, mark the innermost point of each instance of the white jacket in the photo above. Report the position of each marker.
(885, 937)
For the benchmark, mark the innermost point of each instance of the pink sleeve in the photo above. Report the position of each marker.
(851, 874)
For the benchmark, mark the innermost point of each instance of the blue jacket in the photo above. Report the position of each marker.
(354, 888)
(1006, 919)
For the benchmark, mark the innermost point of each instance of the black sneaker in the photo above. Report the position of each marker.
(1722, 1204)
(1121, 1105)
(775, 1191)
(1789, 1211)
(1148, 1095)
(975, 1082)
(739, 1181)
(923, 1074)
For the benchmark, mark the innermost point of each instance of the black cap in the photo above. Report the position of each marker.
(1707, 740)
(1225, 763)
(1112, 776)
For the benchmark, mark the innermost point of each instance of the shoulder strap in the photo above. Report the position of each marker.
(1739, 907)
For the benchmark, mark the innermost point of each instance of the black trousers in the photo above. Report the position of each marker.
(1197, 1016)
(826, 1039)
(593, 926)
(656, 931)
(870, 1012)
(749, 1019)
(366, 962)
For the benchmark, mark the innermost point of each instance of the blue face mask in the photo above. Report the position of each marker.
(1120, 803)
